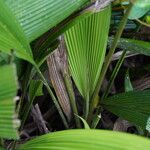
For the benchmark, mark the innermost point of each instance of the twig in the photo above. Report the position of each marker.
(117, 55)
(38, 119)
(32, 126)
(142, 23)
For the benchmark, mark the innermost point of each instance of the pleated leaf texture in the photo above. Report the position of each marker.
(87, 140)
(86, 43)
(8, 89)
(12, 36)
(22, 21)
(38, 16)
(133, 106)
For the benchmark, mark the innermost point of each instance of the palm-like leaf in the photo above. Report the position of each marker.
(22, 21)
(86, 43)
(133, 106)
(37, 17)
(87, 140)
(8, 88)
(12, 36)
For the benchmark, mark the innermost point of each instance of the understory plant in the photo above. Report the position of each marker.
(73, 41)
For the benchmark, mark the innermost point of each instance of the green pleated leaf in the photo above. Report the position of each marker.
(22, 21)
(86, 43)
(140, 8)
(87, 140)
(12, 36)
(38, 16)
(133, 106)
(8, 89)
(61, 28)
(132, 45)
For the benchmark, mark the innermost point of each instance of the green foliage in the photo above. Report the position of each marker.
(127, 82)
(148, 124)
(147, 19)
(133, 106)
(8, 88)
(3, 58)
(87, 140)
(22, 22)
(86, 126)
(35, 89)
(37, 17)
(140, 8)
(12, 36)
(132, 45)
(86, 43)
(63, 27)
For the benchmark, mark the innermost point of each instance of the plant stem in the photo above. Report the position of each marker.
(142, 23)
(30, 104)
(53, 97)
(114, 74)
(71, 95)
(110, 54)
(86, 108)
(96, 120)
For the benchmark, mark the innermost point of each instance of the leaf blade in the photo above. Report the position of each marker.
(8, 88)
(12, 36)
(86, 50)
(87, 140)
(134, 106)
(140, 8)
(37, 17)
